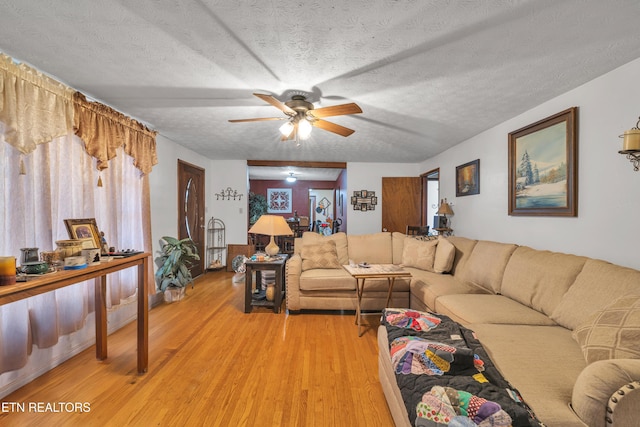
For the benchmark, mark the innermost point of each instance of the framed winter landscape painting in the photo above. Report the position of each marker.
(543, 163)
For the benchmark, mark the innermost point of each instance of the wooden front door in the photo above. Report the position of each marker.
(401, 203)
(191, 203)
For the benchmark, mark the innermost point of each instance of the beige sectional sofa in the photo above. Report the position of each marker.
(563, 329)
(334, 288)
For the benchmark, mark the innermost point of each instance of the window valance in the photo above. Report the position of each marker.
(33, 107)
(104, 129)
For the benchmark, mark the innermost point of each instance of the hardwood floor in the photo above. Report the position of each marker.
(211, 364)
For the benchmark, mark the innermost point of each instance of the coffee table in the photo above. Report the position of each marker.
(374, 271)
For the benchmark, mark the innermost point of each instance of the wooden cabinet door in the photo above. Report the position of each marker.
(401, 203)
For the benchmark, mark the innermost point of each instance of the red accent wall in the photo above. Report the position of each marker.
(299, 193)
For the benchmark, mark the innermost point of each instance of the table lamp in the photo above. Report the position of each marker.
(271, 225)
(444, 210)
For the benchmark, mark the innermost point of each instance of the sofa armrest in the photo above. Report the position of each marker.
(293, 271)
(622, 409)
(607, 393)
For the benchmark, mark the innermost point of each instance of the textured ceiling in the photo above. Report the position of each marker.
(427, 74)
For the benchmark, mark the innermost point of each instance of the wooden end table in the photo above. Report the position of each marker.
(258, 267)
(374, 271)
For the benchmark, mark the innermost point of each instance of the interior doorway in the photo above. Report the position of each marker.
(430, 195)
(321, 205)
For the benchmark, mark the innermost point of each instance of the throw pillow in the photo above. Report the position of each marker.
(321, 255)
(419, 254)
(613, 332)
(340, 238)
(445, 254)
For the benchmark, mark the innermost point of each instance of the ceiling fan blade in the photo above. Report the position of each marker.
(332, 127)
(336, 110)
(279, 105)
(258, 119)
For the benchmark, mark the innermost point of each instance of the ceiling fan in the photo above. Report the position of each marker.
(301, 116)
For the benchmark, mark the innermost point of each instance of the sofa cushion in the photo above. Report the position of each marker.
(613, 332)
(319, 279)
(397, 244)
(427, 287)
(419, 254)
(309, 238)
(320, 255)
(598, 285)
(373, 248)
(486, 264)
(489, 308)
(464, 247)
(539, 279)
(445, 254)
(542, 362)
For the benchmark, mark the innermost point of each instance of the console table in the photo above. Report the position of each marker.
(60, 279)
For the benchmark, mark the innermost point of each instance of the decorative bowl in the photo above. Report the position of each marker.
(34, 267)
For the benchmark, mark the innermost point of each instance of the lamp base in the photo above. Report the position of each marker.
(272, 249)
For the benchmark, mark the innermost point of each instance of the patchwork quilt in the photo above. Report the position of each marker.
(445, 375)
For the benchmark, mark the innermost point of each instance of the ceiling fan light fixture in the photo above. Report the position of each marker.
(286, 129)
(291, 178)
(302, 115)
(304, 129)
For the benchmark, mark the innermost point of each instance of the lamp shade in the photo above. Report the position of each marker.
(271, 225)
(444, 208)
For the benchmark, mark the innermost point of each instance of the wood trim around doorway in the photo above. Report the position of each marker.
(277, 163)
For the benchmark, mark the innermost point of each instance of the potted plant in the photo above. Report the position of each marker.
(173, 273)
(257, 207)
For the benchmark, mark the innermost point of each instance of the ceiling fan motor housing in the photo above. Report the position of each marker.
(300, 104)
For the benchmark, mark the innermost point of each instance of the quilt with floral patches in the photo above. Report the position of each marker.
(446, 377)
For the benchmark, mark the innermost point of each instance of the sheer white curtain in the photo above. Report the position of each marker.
(60, 183)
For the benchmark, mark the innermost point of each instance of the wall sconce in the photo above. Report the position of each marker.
(228, 194)
(631, 145)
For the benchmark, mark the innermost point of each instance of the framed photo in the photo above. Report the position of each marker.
(364, 200)
(84, 229)
(543, 167)
(468, 179)
(278, 200)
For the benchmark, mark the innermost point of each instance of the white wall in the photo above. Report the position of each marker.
(608, 188)
(219, 175)
(368, 176)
